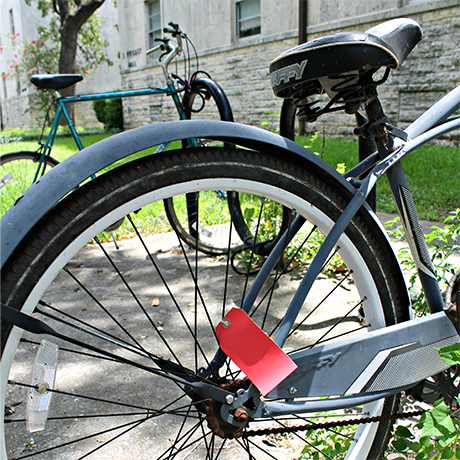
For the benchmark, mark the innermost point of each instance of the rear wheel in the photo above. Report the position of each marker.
(17, 173)
(148, 304)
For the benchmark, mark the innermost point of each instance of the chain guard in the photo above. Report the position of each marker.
(446, 385)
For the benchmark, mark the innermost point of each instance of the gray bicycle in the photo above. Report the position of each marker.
(173, 356)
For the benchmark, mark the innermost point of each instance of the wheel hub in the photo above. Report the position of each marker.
(221, 427)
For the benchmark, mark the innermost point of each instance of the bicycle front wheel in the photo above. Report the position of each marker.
(158, 309)
(206, 100)
(17, 172)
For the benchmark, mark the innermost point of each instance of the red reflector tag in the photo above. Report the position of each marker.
(256, 354)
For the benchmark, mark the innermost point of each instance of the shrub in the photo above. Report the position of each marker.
(110, 113)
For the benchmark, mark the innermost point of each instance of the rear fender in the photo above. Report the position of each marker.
(68, 175)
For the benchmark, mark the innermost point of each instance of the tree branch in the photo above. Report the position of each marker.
(64, 9)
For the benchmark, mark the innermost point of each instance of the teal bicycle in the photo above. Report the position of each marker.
(196, 94)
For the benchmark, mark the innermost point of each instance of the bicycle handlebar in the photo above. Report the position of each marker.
(174, 31)
(170, 50)
(165, 46)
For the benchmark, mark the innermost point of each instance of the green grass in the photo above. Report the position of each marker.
(63, 147)
(433, 172)
(433, 175)
(23, 172)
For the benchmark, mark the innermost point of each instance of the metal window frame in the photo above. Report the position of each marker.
(152, 58)
(11, 18)
(239, 20)
(149, 31)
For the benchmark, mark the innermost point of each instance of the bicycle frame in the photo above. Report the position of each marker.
(421, 131)
(437, 328)
(62, 111)
(315, 378)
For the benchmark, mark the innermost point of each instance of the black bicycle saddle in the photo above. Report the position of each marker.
(386, 45)
(55, 82)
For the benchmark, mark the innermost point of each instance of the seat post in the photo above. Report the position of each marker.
(366, 146)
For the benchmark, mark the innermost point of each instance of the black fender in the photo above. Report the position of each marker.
(68, 175)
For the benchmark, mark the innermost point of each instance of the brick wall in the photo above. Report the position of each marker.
(431, 71)
(15, 114)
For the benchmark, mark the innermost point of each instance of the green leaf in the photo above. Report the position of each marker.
(400, 445)
(248, 213)
(403, 432)
(450, 355)
(415, 446)
(436, 422)
(447, 453)
(421, 456)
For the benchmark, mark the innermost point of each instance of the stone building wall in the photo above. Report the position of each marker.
(14, 94)
(14, 113)
(430, 72)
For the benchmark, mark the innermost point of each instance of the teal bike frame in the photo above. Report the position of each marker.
(169, 51)
(62, 111)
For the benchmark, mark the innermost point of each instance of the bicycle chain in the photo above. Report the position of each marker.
(223, 429)
(328, 425)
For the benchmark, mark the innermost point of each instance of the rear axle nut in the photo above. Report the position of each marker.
(240, 415)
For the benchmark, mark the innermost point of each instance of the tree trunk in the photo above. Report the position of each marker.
(72, 19)
(67, 57)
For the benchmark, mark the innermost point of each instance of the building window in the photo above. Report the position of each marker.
(13, 31)
(154, 26)
(248, 18)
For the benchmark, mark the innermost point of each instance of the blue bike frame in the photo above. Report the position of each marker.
(62, 111)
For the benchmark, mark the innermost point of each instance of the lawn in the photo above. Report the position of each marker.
(433, 171)
(433, 175)
(63, 147)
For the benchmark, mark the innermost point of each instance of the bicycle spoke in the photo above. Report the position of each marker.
(336, 323)
(192, 332)
(295, 328)
(104, 309)
(106, 401)
(84, 438)
(340, 320)
(197, 293)
(256, 234)
(174, 450)
(96, 332)
(136, 299)
(285, 241)
(278, 276)
(246, 443)
(114, 438)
